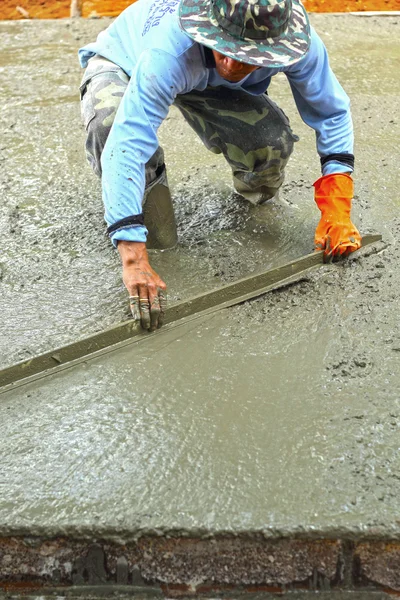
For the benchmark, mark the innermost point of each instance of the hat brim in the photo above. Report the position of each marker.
(198, 21)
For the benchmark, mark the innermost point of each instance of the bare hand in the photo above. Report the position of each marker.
(147, 291)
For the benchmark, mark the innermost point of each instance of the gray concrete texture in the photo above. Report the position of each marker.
(275, 422)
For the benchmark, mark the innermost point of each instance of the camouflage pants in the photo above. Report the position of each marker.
(252, 132)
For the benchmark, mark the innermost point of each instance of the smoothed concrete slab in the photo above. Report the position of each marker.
(230, 424)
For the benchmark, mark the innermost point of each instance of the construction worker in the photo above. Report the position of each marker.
(214, 60)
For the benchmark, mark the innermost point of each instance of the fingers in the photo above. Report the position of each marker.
(158, 305)
(328, 252)
(325, 245)
(152, 306)
(149, 308)
(154, 309)
(163, 306)
(147, 294)
(134, 304)
(340, 251)
(144, 305)
(336, 239)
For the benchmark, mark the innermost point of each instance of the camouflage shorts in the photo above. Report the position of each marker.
(252, 132)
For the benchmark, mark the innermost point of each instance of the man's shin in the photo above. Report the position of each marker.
(159, 217)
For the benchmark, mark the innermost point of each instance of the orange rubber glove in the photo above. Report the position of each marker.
(336, 235)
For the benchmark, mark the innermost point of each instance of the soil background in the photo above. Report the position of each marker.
(54, 9)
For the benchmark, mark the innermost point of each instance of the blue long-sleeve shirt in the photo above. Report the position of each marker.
(146, 41)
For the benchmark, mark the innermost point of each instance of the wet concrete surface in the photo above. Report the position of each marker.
(280, 416)
(55, 254)
(217, 425)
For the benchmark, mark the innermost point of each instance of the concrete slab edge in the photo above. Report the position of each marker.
(122, 593)
(182, 567)
(125, 592)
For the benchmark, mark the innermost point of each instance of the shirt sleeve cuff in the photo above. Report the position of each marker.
(335, 167)
(129, 234)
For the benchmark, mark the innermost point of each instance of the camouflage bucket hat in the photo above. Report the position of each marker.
(266, 33)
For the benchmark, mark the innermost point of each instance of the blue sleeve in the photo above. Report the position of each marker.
(323, 104)
(156, 80)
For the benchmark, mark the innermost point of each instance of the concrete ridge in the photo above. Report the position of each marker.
(193, 566)
(120, 536)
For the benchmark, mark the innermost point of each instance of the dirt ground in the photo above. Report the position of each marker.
(59, 9)
(54, 9)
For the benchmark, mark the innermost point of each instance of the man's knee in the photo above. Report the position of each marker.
(260, 174)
